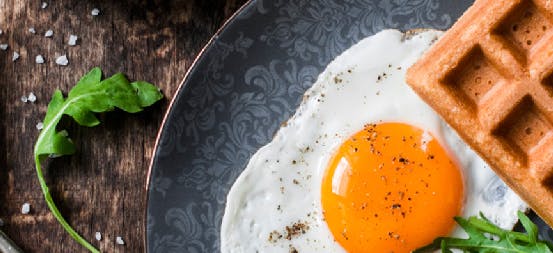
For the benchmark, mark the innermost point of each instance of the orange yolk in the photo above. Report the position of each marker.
(390, 188)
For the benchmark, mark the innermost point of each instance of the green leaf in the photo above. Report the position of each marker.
(147, 93)
(486, 237)
(50, 141)
(86, 82)
(444, 248)
(89, 96)
(530, 227)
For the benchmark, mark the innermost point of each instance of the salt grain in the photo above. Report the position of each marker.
(1, 222)
(44, 5)
(119, 240)
(39, 125)
(15, 56)
(32, 30)
(48, 33)
(25, 208)
(31, 97)
(72, 40)
(24, 99)
(1, 31)
(62, 60)
(4, 47)
(95, 12)
(98, 236)
(39, 59)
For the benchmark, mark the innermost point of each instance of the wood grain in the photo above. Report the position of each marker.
(102, 187)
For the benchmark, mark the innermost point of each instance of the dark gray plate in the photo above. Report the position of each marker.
(249, 79)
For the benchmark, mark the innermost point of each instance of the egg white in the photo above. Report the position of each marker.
(281, 185)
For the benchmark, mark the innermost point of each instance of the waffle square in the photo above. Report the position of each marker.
(491, 78)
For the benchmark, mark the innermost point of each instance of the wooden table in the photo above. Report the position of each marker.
(101, 188)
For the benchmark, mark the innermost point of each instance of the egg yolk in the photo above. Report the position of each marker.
(390, 188)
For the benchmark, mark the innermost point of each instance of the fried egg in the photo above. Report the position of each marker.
(363, 165)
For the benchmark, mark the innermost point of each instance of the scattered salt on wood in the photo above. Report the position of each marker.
(32, 30)
(31, 97)
(4, 47)
(72, 40)
(15, 56)
(48, 33)
(24, 99)
(119, 240)
(62, 60)
(95, 12)
(39, 59)
(44, 5)
(98, 236)
(25, 208)
(39, 125)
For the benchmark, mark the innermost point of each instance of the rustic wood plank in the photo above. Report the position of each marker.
(102, 187)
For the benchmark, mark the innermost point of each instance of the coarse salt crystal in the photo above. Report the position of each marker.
(31, 97)
(72, 40)
(95, 12)
(62, 60)
(24, 99)
(4, 47)
(44, 5)
(39, 125)
(39, 59)
(119, 240)
(15, 56)
(98, 236)
(1, 31)
(32, 30)
(48, 33)
(25, 208)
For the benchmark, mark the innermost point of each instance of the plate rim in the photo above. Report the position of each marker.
(170, 107)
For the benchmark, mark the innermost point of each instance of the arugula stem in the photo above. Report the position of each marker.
(462, 245)
(57, 213)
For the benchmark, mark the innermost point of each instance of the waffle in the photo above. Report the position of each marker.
(490, 77)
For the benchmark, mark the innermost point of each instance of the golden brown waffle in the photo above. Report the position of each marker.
(490, 77)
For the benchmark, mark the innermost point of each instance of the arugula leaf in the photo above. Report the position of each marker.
(486, 237)
(91, 95)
